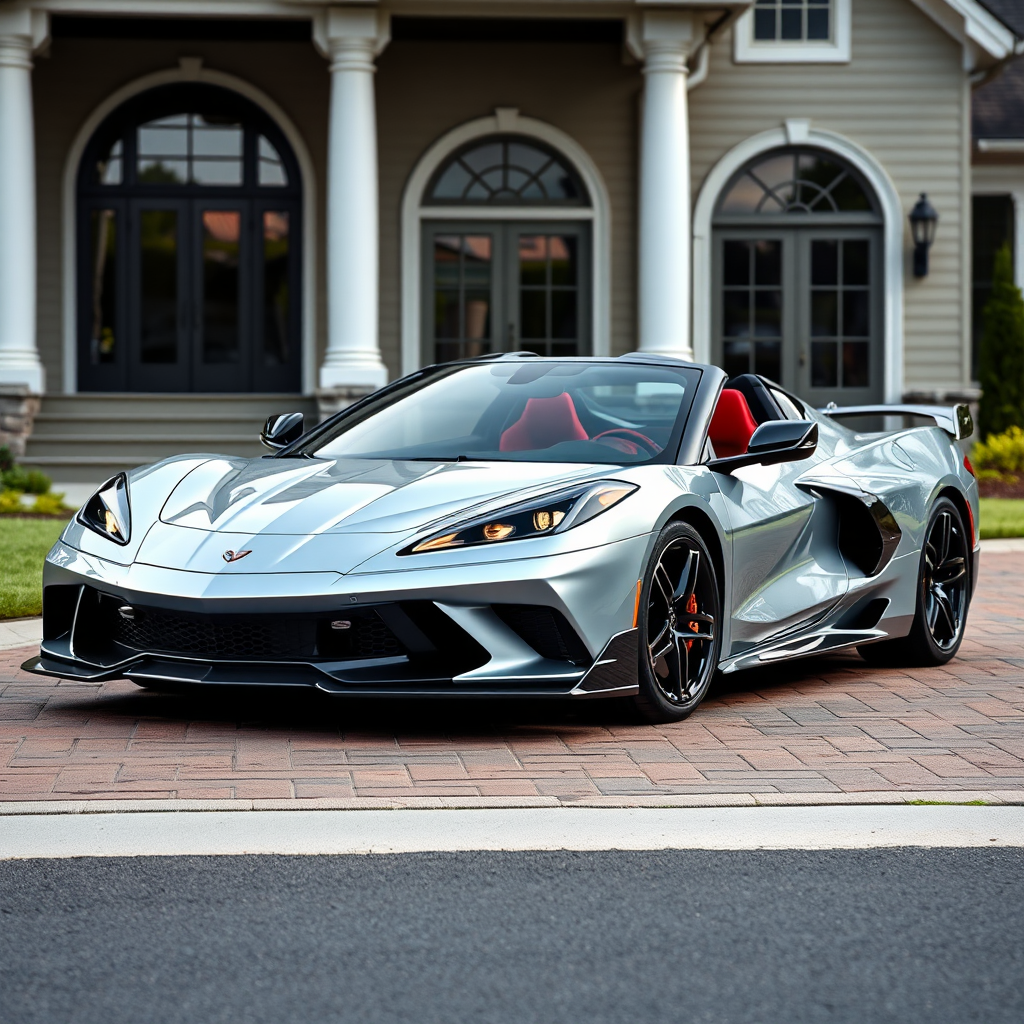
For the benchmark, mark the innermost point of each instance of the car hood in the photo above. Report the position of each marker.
(293, 497)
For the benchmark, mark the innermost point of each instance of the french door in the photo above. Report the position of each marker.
(190, 295)
(804, 308)
(505, 286)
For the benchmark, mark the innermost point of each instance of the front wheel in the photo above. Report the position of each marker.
(943, 595)
(680, 633)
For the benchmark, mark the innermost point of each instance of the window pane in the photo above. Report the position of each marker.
(158, 266)
(110, 168)
(446, 260)
(533, 314)
(446, 313)
(533, 268)
(855, 364)
(563, 259)
(792, 24)
(223, 140)
(217, 172)
(163, 172)
(221, 252)
(271, 167)
(855, 262)
(768, 314)
(736, 313)
(736, 263)
(563, 314)
(158, 140)
(275, 288)
(824, 262)
(478, 315)
(102, 339)
(817, 23)
(856, 319)
(477, 260)
(768, 359)
(764, 24)
(824, 365)
(824, 314)
(737, 357)
(767, 262)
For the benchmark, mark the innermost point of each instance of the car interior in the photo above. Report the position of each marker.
(744, 404)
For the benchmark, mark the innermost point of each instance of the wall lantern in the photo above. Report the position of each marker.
(923, 220)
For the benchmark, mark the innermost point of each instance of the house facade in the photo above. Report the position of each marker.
(213, 210)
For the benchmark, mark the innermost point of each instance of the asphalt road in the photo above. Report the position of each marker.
(867, 936)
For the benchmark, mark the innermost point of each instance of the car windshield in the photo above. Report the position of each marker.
(535, 410)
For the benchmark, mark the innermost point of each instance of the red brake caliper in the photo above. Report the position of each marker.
(691, 608)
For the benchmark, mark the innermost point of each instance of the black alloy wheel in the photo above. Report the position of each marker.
(943, 596)
(680, 633)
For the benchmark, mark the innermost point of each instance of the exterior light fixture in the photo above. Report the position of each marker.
(923, 220)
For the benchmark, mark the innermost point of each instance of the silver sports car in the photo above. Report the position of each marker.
(527, 526)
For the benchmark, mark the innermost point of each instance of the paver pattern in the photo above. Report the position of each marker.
(831, 725)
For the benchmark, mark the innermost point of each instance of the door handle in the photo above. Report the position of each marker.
(803, 357)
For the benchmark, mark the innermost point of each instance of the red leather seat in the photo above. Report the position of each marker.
(544, 422)
(732, 425)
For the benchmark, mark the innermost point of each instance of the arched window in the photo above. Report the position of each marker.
(189, 216)
(507, 170)
(798, 276)
(519, 282)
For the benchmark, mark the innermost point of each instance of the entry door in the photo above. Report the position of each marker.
(804, 308)
(501, 287)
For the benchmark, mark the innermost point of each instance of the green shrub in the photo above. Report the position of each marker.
(31, 481)
(49, 504)
(6, 458)
(37, 482)
(999, 454)
(1001, 359)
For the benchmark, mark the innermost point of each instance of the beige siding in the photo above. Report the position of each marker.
(426, 89)
(902, 98)
(78, 75)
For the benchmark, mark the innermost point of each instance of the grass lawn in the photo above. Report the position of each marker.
(1002, 517)
(23, 546)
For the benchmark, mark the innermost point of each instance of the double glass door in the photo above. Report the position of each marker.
(190, 295)
(502, 287)
(802, 307)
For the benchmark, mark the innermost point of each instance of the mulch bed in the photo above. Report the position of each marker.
(1012, 487)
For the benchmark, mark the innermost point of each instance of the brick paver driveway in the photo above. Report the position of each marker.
(815, 727)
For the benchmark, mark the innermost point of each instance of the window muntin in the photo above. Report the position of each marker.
(462, 411)
(800, 181)
(792, 21)
(507, 171)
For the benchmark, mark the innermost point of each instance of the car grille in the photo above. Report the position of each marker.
(247, 638)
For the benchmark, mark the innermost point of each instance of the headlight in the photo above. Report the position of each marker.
(537, 517)
(108, 512)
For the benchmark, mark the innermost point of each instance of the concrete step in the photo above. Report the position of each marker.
(139, 443)
(147, 405)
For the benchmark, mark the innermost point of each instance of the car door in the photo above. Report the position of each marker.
(787, 572)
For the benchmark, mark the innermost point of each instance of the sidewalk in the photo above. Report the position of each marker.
(828, 730)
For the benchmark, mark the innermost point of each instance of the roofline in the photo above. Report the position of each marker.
(976, 27)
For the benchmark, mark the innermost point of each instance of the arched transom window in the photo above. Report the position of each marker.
(507, 170)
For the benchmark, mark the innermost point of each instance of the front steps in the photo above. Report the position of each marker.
(81, 440)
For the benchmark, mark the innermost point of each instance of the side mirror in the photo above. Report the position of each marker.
(773, 442)
(281, 430)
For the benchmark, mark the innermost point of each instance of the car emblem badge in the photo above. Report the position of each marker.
(234, 556)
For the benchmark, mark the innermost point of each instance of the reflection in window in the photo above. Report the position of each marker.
(752, 307)
(159, 286)
(275, 287)
(102, 339)
(201, 149)
(110, 168)
(548, 294)
(792, 20)
(840, 313)
(796, 181)
(271, 170)
(462, 296)
(507, 171)
(221, 250)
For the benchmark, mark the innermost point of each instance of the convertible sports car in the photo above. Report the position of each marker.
(528, 526)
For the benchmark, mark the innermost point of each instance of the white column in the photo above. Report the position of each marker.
(19, 358)
(351, 39)
(665, 40)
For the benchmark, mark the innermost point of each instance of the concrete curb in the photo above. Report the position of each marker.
(1012, 798)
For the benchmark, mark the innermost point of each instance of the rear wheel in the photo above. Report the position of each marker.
(943, 595)
(680, 636)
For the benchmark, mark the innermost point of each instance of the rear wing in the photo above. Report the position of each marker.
(955, 420)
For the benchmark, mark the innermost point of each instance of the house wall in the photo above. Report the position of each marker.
(79, 74)
(903, 98)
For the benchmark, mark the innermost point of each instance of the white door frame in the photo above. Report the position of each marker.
(414, 212)
(800, 133)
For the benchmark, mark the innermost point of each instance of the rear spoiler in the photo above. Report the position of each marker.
(955, 420)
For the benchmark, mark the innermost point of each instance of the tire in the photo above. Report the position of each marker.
(943, 596)
(679, 626)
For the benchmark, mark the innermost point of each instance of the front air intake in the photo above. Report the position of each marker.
(546, 630)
